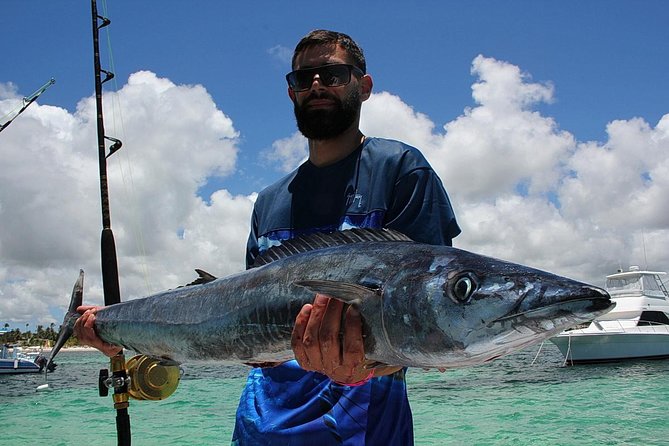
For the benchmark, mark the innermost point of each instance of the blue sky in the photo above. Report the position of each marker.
(529, 110)
(605, 58)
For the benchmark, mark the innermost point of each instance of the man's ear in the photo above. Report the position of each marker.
(291, 94)
(366, 84)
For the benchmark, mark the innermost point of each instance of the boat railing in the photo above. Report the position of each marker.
(663, 287)
(619, 326)
(17, 352)
(631, 326)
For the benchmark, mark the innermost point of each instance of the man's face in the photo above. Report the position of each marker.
(325, 112)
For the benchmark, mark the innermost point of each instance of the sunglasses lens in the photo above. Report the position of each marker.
(335, 75)
(329, 75)
(304, 78)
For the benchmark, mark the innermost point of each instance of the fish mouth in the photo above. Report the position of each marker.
(537, 324)
(586, 308)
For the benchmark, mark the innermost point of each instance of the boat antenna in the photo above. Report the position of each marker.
(27, 100)
(643, 242)
(110, 278)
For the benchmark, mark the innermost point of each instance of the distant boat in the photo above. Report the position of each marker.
(13, 360)
(637, 328)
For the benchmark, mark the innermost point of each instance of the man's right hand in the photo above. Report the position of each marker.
(84, 330)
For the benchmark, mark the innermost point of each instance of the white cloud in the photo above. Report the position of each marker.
(526, 190)
(174, 138)
(386, 115)
(623, 181)
(288, 153)
(282, 54)
(9, 91)
(523, 189)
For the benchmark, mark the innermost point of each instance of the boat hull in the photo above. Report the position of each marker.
(18, 366)
(610, 347)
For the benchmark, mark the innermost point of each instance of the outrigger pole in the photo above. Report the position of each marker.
(110, 279)
(27, 101)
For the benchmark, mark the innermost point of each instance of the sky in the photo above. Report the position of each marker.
(548, 123)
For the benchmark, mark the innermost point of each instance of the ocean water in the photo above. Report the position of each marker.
(516, 400)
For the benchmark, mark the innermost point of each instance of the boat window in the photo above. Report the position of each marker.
(653, 318)
(623, 283)
(650, 283)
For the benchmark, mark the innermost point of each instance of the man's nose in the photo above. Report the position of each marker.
(316, 82)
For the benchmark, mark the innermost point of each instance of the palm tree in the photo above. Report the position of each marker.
(51, 332)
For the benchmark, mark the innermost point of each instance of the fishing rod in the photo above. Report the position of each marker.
(110, 278)
(141, 377)
(27, 100)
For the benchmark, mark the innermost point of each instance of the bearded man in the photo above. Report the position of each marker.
(326, 396)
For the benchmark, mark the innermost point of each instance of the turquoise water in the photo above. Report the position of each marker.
(511, 401)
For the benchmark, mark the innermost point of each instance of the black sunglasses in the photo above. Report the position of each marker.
(335, 75)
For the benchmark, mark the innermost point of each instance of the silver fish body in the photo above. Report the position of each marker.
(422, 305)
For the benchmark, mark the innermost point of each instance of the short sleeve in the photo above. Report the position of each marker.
(421, 208)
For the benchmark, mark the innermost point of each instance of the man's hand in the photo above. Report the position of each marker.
(325, 342)
(84, 330)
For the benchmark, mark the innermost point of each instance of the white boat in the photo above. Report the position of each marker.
(638, 326)
(13, 360)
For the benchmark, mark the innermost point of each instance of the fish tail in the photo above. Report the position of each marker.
(67, 327)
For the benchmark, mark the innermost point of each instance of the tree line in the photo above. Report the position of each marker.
(42, 336)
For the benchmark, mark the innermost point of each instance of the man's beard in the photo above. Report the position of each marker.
(327, 124)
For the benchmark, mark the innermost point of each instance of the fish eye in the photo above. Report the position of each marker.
(463, 287)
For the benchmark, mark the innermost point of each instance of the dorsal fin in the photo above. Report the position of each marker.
(319, 240)
(203, 277)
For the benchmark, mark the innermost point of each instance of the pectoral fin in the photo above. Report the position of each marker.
(350, 293)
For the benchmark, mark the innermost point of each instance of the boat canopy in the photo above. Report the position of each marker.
(648, 282)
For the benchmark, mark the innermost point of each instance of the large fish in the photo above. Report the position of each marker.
(422, 305)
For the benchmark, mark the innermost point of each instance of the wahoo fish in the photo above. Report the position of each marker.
(422, 305)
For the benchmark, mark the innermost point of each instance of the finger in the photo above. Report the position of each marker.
(83, 308)
(353, 347)
(311, 335)
(80, 329)
(86, 333)
(77, 326)
(84, 329)
(329, 335)
(89, 321)
(298, 334)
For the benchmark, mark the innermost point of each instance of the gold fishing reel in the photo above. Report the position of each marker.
(151, 379)
(141, 377)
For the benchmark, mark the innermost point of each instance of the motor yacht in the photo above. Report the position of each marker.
(638, 326)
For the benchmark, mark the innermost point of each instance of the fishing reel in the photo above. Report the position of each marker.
(144, 377)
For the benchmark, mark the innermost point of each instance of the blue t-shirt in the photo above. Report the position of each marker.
(382, 184)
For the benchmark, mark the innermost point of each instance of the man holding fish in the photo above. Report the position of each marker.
(327, 395)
